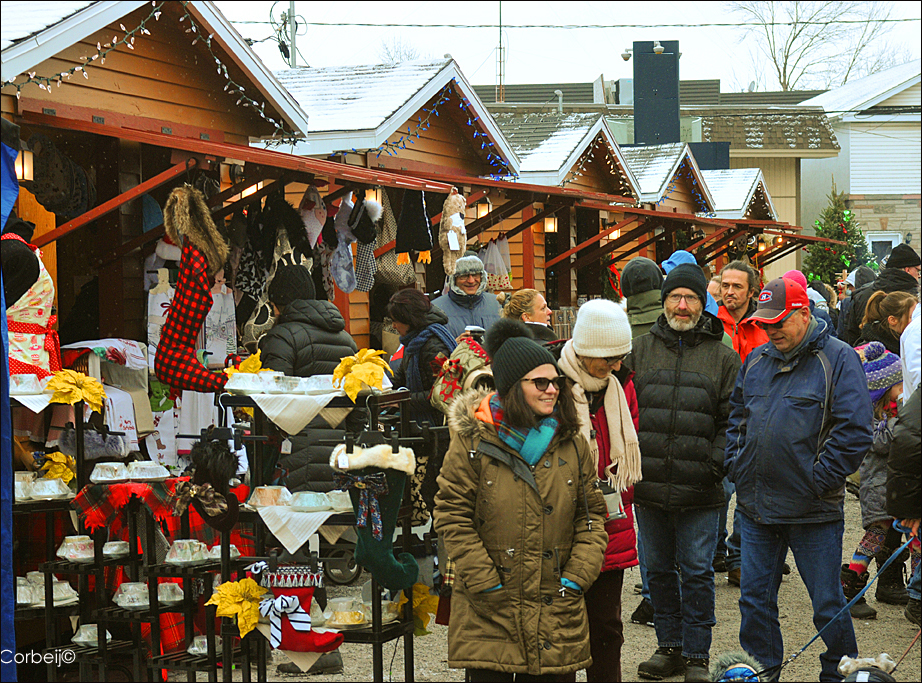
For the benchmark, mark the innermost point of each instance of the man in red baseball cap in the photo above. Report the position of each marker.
(800, 422)
(784, 313)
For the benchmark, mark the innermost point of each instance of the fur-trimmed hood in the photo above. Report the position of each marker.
(463, 421)
(186, 216)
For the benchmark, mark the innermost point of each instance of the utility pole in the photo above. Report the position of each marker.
(500, 61)
(293, 30)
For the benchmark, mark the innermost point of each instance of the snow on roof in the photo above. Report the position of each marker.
(545, 141)
(24, 19)
(654, 165)
(352, 98)
(867, 91)
(732, 190)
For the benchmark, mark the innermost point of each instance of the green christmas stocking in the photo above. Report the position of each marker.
(376, 497)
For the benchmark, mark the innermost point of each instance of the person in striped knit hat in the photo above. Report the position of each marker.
(885, 383)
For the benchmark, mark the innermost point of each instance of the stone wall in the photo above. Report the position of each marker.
(889, 213)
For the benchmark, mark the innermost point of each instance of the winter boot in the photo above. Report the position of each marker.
(891, 587)
(852, 584)
(697, 669)
(912, 611)
(665, 662)
(643, 614)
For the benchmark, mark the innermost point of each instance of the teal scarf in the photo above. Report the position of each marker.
(531, 445)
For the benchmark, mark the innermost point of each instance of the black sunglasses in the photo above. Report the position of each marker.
(542, 383)
(611, 360)
(778, 325)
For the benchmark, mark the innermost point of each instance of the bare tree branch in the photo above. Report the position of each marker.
(394, 50)
(806, 48)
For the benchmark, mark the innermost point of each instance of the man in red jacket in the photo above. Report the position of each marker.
(739, 286)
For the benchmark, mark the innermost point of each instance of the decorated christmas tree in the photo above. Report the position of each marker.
(825, 261)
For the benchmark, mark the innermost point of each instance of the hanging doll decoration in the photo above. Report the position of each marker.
(188, 222)
(313, 213)
(413, 233)
(362, 220)
(452, 233)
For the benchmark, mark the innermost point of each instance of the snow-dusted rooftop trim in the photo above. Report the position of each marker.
(34, 32)
(361, 106)
(733, 190)
(544, 141)
(654, 167)
(868, 91)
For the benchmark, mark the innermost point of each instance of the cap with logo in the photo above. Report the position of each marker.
(778, 299)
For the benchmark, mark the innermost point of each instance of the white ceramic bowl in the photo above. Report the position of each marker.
(169, 593)
(61, 591)
(266, 496)
(27, 592)
(147, 471)
(50, 489)
(24, 384)
(280, 384)
(132, 595)
(214, 553)
(185, 551)
(22, 490)
(116, 549)
(340, 501)
(109, 472)
(389, 611)
(310, 501)
(88, 634)
(24, 476)
(76, 549)
(244, 383)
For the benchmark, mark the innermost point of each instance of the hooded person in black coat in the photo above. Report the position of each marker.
(900, 275)
(309, 338)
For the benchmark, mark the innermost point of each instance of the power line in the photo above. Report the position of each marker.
(604, 26)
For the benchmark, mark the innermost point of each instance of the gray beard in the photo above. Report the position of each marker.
(681, 327)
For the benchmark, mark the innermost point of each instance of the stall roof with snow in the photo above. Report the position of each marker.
(557, 149)
(669, 175)
(739, 193)
(421, 110)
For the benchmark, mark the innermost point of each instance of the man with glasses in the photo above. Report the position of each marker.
(467, 302)
(683, 376)
(800, 422)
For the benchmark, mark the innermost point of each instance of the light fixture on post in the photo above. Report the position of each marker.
(550, 224)
(762, 245)
(24, 163)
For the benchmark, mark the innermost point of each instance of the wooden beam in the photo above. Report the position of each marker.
(641, 228)
(497, 215)
(591, 240)
(249, 199)
(530, 221)
(724, 241)
(780, 253)
(807, 238)
(666, 232)
(528, 244)
(115, 202)
(707, 238)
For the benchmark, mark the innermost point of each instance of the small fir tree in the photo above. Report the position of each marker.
(825, 261)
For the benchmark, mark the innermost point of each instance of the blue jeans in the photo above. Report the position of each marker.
(642, 563)
(684, 616)
(915, 583)
(817, 551)
(728, 544)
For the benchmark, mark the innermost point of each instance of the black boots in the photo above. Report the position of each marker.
(665, 662)
(891, 588)
(852, 584)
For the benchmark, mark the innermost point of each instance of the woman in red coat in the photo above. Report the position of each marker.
(607, 405)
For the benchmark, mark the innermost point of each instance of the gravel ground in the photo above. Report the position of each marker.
(890, 632)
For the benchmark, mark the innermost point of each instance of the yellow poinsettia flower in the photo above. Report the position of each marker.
(252, 365)
(424, 604)
(240, 599)
(365, 367)
(60, 466)
(70, 386)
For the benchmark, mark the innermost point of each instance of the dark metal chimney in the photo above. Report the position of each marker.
(656, 93)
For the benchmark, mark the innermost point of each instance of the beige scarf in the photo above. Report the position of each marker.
(624, 470)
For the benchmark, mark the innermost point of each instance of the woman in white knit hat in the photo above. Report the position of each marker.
(607, 407)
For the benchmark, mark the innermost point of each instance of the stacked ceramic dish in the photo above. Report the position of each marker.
(61, 591)
(277, 383)
(267, 496)
(346, 613)
(186, 553)
(22, 485)
(27, 593)
(88, 635)
(109, 473)
(389, 611)
(115, 549)
(145, 470)
(169, 594)
(244, 383)
(24, 385)
(199, 646)
(132, 595)
(76, 549)
(50, 489)
(214, 553)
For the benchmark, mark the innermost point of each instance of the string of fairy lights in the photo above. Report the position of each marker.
(423, 123)
(684, 172)
(614, 169)
(234, 89)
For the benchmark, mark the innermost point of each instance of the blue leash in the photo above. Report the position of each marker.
(778, 667)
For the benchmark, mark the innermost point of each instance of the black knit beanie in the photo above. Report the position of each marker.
(686, 275)
(514, 353)
(903, 256)
(640, 275)
(289, 284)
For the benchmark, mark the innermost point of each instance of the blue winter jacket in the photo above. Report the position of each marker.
(784, 470)
(462, 310)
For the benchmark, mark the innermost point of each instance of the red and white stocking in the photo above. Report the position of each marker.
(289, 610)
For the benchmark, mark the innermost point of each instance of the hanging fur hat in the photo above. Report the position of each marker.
(215, 464)
(362, 219)
(187, 216)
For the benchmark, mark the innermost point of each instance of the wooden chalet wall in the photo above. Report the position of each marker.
(165, 85)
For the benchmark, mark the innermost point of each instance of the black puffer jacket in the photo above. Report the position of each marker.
(683, 381)
(309, 338)
(904, 466)
(889, 280)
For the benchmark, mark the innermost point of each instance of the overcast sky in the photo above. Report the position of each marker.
(532, 55)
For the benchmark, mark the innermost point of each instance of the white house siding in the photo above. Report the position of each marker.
(908, 97)
(896, 143)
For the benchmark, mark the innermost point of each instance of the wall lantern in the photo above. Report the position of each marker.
(550, 224)
(24, 164)
(373, 195)
(484, 207)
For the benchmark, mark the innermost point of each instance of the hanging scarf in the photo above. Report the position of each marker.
(624, 448)
(531, 445)
(212, 503)
(413, 347)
